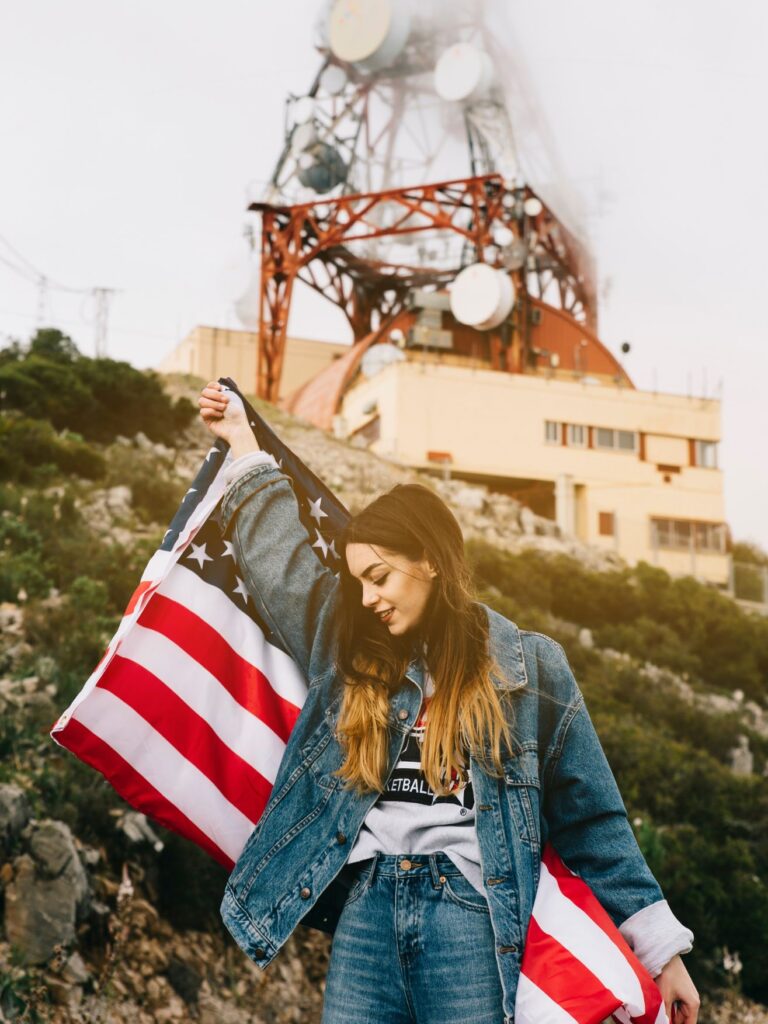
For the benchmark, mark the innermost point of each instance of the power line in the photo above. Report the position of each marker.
(103, 296)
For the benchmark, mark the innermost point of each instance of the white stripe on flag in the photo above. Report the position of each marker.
(180, 782)
(587, 942)
(240, 730)
(534, 1006)
(240, 632)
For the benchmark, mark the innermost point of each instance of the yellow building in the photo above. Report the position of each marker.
(212, 352)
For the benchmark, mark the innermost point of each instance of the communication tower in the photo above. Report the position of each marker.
(399, 177)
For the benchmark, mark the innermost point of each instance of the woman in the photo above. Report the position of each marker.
(438, 749)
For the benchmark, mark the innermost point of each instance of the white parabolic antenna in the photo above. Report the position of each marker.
(378, 357)
(368, 33)
(482, 297)
(248, 306)
(464, 72)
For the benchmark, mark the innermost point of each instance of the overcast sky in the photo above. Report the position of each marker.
(131, 133)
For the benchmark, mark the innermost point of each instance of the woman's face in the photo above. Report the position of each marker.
(394, 588)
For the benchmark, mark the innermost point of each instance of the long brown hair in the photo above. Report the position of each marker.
(466, 710)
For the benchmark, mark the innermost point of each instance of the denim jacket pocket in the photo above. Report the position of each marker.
(521, 776)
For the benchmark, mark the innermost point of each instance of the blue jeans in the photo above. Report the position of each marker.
(414, 945)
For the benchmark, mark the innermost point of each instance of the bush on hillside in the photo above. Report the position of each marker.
(98, 398)
(678, 623)
(27, 444)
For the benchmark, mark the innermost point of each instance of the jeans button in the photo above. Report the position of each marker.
(405, 864)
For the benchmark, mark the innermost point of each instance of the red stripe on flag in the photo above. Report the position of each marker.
(136, 596)
(555, 970)
(189, 733)
(245, 682)
(133, 787)
(579, 893)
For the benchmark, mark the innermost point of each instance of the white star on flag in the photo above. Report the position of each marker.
(229, 549)
(192, 490)
(321, 543)
(211, 451)
(332, 549)
(240, 589)
(199, 554)
(315, 511)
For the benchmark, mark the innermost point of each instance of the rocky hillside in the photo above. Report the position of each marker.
(107, 918)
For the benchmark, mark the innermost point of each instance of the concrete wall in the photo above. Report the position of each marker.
(212, 352)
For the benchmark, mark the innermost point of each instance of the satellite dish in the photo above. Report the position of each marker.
(370, 34)
(333, 80)
(303, 136)
(513, 256)
(321, 168)
(502, 235)
(463, 73)
(302, 110)
(378, 357)
(248, 305)
(482, 297)
(533, 206)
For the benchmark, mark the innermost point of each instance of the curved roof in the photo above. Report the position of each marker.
(579, 350)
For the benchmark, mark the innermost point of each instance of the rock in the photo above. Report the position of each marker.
(185, 979)
(63, 993)
(11, 618)
(141, 441)
(527, 521)
(470, 498)
(14, 813)
(137, 829)
(45, 665)
(585, 637)
(118, 500)
(216, 1011)
(48, 893)
(742, 758)
(75, 970)
(40, 710)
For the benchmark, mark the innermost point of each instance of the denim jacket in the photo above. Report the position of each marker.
(556, 785)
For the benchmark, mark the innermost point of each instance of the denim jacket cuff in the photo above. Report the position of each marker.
(656, 935)
(242, 487)
(238, 467)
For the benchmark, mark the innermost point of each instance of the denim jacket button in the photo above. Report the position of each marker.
(341, 838)
(402, 714)
(259, 953)
(305, 893)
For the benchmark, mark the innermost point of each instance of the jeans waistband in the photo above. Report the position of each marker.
(405, 865)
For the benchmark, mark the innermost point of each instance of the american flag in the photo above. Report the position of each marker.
(189, 711)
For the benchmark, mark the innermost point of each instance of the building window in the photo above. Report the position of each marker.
(577, 435)
(605, 524)
(706, 454)
(682, 534)
(618, 440)
(552, 432)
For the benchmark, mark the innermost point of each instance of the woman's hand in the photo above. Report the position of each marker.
(226, 418)
(676, 987)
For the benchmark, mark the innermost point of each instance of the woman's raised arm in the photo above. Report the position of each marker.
(292, 591)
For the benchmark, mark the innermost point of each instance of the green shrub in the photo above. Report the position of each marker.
(678, 623)
(98, 398)
(27, 444)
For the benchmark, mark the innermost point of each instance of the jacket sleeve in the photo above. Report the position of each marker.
(292, 591)
(587, 824)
